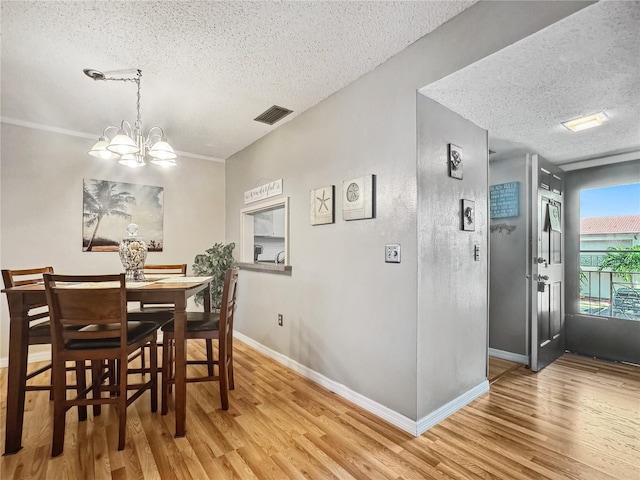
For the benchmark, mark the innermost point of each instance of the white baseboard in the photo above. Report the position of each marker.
(394, 418)
(450, 408)
(33, 358)
(512, 357)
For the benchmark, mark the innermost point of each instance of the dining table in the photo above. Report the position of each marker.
(174, 290)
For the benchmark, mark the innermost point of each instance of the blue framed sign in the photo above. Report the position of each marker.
(504, 200)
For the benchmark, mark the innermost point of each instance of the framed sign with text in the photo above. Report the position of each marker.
(504, 200)
(267, 190)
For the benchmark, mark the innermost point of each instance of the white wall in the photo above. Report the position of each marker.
(347, 314)
(41, 199)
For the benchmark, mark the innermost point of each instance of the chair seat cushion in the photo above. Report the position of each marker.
(40, 334)
(136, 332)
(198, 322)
(42, 329)
(159, 316)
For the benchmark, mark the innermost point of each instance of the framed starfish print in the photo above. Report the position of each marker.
(322, 205)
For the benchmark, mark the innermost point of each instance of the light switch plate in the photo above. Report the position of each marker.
(392, 253)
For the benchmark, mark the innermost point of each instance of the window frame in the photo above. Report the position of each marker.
(247, 235)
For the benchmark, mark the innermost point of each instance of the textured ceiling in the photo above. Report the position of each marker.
(208, 68)
(585, 63)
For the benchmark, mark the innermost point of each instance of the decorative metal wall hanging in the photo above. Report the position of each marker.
(455, 161)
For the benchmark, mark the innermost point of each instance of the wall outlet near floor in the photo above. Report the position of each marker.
(280, 319)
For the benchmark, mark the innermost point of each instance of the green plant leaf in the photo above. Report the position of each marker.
(214, 262)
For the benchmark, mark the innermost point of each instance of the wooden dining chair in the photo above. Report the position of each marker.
(96, 307)
(37, 315)
(39, 327)
(159, 313)
(208, 326)
(166, 270)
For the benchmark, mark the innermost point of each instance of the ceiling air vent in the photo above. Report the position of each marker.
(273, 115)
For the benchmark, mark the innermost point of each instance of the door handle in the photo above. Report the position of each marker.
(543, 278)
(541, 260)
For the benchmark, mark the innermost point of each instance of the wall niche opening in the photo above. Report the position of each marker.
(265, 236)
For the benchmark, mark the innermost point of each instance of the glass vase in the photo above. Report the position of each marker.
(133, 253)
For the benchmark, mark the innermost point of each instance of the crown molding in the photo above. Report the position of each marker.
(74, 133)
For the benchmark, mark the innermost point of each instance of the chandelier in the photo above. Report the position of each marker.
(128, 145)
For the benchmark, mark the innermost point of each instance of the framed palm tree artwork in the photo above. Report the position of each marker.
(109, 207)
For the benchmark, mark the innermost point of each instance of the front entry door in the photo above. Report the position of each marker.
(547, 286)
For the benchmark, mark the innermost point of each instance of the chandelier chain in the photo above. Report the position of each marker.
(135, 79)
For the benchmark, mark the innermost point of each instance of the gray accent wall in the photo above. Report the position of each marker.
(509, 310)
(603, 337)
(41, 198)
(452, 286)
(347, 314)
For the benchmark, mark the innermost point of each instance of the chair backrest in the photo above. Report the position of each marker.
(227, 310)
(178, 269)
(30, 276)
(163, 270)
(94, 305)
(25, 277)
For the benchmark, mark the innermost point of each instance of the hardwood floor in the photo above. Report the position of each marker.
(499, 367)
(577, 419)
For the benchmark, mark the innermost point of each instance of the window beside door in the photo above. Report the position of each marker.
(610, 251)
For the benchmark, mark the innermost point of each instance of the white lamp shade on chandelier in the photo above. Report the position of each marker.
(129, 146)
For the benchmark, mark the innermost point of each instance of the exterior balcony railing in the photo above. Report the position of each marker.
(607, 293)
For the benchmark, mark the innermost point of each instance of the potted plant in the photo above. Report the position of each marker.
(214, 262)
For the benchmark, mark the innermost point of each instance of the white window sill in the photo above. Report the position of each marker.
(266, 267)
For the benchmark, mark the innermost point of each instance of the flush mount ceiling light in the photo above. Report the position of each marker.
(588, 121)
(129, 146)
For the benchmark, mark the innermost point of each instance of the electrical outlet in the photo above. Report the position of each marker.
(392, 253)
(280, 319)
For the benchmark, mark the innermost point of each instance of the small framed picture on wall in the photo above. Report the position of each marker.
(358, 198)
(321, 202)
(455, 161)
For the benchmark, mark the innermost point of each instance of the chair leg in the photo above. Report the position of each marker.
(81, 385)
(229, 349)
(223, 374)
(171, 364)
(230, 372)
(51, 389)
(167, 345)
(111, 368)
(122, 402)
(153, 365)
(210, 359)
(142, 360)
(59, 407)
(97, 369)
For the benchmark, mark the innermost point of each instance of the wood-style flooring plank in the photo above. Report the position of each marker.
(577, 419)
